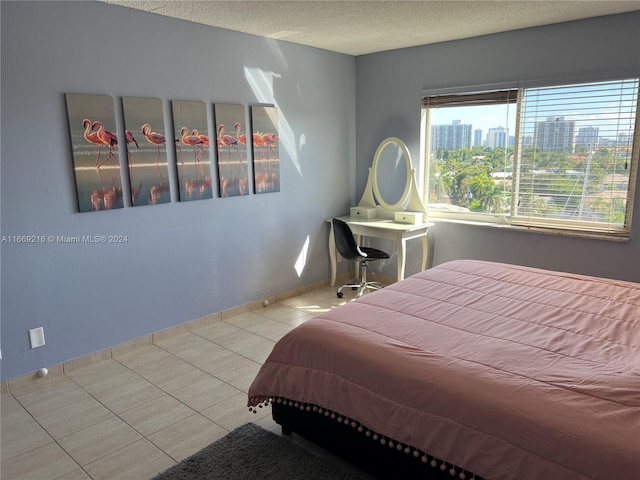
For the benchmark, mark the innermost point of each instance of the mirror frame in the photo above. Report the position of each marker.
(374, 173)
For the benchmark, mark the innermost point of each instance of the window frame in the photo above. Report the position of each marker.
(508, 219)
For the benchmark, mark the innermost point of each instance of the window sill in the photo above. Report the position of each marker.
(532, 229)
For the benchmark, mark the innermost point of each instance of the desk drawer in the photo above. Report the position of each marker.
(412, 218)
(363, 212)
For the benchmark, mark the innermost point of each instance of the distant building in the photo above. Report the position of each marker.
(624, 140)
(555, 135)
(477, 137)
(451, 137)
(497, 137)
(588, 136)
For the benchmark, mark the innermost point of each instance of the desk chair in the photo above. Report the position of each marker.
(349, 249)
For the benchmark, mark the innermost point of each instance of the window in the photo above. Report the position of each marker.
(551, 157)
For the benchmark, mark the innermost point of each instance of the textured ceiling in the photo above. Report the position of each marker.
(361, 27)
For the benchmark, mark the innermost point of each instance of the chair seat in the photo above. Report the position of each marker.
(373, 253)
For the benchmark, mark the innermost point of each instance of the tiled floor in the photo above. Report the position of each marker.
(149, 406)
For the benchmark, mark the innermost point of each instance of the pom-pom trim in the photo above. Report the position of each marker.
(424, 457)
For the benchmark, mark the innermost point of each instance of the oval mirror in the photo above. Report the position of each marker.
(391, 173)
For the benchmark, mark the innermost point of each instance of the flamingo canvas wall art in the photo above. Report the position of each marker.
(94, 145)
(266, 151)
(231, 150)
(146, 151)
(191, 143)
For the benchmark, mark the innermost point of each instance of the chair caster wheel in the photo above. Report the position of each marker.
(339, 294)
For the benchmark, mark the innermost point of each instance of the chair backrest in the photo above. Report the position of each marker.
(345, 242)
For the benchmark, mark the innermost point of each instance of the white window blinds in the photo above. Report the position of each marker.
(575, 164)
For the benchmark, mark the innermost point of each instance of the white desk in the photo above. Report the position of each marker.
(383, 228)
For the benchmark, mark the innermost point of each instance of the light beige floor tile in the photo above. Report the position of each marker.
(73, 417)
(233, 412)
(176, 376)
(140, 460)
(10, 405)
(283, 313)
(20, 433)
(246, 320)
(99, 440)
(32, 382)
(198, 391)
(300, 302)
(192, 386)
(216, 360)
(271, 329)
(156, 414)
(205, 394)
(52, 397)
(182, 343)
(187, 436)
(44, 463)
(129, 395)
(77, 474)
(207, 351)
(221, 333)
(102, 376)
(147, 359)
(317, 303)
(261, 358)
(250, 345)
(201, 352)
(240, 376)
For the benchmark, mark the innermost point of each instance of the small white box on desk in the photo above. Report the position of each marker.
(412, 218)
(363, 212)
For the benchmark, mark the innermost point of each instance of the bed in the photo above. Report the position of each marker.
(469, 370)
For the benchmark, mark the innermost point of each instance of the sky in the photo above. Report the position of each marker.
(485, 117)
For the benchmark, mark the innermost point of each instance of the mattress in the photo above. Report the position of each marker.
(505, 371)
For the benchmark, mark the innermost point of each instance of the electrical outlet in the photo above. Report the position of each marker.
(36, 337)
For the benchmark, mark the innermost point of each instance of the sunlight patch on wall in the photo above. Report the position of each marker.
(302, 258)
(261, 83)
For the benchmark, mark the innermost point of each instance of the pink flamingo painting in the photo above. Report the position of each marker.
(92, 137)
(259, 144)
(109, 139)
(191, 140)
(154, 138)
(270, 139)
(241, 137)
(130, 139)
(203, 145)
(227, 140)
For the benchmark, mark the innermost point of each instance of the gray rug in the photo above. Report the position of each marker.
(251, 452)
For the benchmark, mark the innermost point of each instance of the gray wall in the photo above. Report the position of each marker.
(388, 91)
(182, 260)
